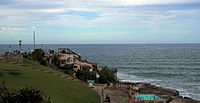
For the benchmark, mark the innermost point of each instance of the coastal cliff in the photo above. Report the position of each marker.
(167, 95)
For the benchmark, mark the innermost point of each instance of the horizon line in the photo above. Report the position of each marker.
(90, 43)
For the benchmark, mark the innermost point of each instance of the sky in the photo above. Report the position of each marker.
(100, 21)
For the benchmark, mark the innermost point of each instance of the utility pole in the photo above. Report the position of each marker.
(34, 39)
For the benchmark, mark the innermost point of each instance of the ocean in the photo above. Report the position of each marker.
(174, 66)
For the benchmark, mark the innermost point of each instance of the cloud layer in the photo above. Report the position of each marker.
(141, 17)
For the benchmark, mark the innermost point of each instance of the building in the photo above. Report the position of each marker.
(81, 64)
(68, 57)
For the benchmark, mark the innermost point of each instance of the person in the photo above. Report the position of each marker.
(107, 99)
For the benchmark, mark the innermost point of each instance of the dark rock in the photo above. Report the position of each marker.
(184, 100)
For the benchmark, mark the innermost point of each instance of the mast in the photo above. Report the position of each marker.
(34, 39)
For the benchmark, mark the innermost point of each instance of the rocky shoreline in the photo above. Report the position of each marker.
(167, 95)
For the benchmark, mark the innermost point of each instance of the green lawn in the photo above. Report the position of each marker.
(60, 90)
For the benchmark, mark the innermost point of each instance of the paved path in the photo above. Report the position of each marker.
(99, 91)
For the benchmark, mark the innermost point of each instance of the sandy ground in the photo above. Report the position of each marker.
(117, 95)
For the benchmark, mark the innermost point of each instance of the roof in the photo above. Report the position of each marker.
(80, 64)
(147, 97)
(94, 63)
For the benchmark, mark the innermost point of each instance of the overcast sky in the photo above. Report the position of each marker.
(100, 21)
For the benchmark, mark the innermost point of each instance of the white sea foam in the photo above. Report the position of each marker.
(132, 78)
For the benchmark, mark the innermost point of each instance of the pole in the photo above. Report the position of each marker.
(97, 76)
(10, 49)
(34, 40)
(20, 46)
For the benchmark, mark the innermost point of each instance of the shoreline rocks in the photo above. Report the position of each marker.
(168, 95)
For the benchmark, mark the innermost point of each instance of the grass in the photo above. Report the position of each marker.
(60, 90)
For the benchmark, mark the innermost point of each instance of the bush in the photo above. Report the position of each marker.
(106, 76)
(87, 68)
(38, 54)
(68, 67)
(69, 72)
(86, 75)
(29, 95)
(55, 60)
(24, 95)
(1, 74)
(44, 62)
(15, 73)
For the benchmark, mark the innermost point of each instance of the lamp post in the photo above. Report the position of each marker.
(34, 40)
(20, 46)
(10, 50)
(97, 76)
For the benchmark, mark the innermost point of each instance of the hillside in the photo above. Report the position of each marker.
(59, 89)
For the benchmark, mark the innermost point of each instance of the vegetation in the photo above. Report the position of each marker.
(69, 72)
(23, 95)
(38, 54)
(86, 75)
(106, 76)
(55, 60)
(60, 90)
(67, 67)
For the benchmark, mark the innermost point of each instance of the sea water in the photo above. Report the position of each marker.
(174, 66)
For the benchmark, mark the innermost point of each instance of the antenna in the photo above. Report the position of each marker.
(34, 38)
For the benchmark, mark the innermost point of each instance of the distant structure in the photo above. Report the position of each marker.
(34, 39)
(10, 48)
(20, 45)
(67, 57)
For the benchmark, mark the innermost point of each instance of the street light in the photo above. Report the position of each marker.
(20, 46)
(97, 76)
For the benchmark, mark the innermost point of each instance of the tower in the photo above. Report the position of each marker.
(34, 39)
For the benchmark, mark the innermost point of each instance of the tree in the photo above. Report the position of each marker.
(23, 95)
(106, 76)
(86, 75)
(55, 60)
(38, 54)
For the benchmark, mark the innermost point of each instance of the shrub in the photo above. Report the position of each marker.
(15, 73)
(30, 95)
(38, 54)
(68, 67)
(69, 72)
(24, 95)
(106, 76)
(1, 74)
(86, 75)
(44, 62)
(55, 60)
(86, 68)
